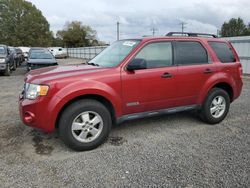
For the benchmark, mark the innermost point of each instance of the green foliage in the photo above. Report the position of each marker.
(235, 27)
(22, 24)
(77, 35)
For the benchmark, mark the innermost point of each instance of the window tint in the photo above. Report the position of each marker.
(223, 52)
(156, 54)
(190, 53)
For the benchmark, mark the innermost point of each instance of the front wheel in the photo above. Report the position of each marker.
(215, 107)
(85, 124)
(7, 70)
(14, 66)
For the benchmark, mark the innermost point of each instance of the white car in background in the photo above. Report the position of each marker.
(25, 51)
(58, 52)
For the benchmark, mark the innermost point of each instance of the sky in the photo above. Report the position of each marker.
(138, 17)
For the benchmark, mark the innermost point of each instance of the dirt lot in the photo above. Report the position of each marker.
(171, 151)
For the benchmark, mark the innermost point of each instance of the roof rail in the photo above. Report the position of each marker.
(191, 34)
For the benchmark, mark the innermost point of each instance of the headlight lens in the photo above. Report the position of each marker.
(32, 91)
(2, 60)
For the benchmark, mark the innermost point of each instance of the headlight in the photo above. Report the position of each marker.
(2, 60)
(32, 91)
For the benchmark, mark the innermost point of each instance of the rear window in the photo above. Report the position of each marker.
(223, 52)
(189, 53)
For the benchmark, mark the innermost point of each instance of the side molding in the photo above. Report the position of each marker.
(156, 113)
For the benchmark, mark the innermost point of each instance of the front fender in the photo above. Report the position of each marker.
(78, 89)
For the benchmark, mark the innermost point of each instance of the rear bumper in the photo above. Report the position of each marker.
(61, 56)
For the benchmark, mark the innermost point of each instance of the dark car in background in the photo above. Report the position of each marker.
(39, 58)
(20, 55)
(25, 51)
(13, 57)
(6, 64)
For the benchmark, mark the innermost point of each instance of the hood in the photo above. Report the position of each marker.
(42, 61)
(42, 75)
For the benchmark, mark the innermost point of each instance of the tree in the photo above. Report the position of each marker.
(22, 24)
(235, 27)
(76, 35)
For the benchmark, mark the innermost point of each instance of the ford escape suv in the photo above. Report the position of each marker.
(132, 79)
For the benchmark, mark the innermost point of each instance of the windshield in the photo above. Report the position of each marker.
(2, 50)
(115, 53)
(41, 55)
(12, 49)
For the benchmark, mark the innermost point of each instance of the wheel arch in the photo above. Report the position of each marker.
(107, 103)
(219, 84)
(226, 87)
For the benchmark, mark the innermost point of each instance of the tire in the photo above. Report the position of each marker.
(14, 66)
(213, 111)
(7, 70)
(79, 121)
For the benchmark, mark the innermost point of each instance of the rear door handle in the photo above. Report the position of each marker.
(208, 71)
(167, 75)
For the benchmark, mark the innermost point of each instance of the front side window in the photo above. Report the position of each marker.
(115, 53)
(190, 53)
(223, 52)
(156, 55)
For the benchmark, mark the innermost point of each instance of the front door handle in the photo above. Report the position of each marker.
(167, 75)
(208, 71)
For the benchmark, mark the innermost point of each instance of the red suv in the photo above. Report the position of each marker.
(132, 79)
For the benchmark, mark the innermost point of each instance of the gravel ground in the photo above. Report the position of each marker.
(171, 151)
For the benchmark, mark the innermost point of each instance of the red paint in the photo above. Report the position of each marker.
(189, 85)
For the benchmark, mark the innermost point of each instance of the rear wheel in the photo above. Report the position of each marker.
(215, 107)
(85, 124)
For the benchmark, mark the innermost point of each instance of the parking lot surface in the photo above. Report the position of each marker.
(175, 150)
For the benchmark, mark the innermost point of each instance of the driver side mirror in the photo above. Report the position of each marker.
(137, 64)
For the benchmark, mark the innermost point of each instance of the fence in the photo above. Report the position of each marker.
(242, 46)
(85, 52)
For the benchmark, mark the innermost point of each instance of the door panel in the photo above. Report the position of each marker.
(194, 69)
(146, 90)
(153, 87)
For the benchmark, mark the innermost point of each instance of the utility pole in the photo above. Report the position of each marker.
(153, 31)
(118, 30)
(218, 32)
(183, 27)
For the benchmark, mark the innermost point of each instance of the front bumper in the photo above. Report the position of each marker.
(32, 66)
(35, 113)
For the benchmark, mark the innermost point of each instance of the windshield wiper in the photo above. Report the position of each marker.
(93, 64)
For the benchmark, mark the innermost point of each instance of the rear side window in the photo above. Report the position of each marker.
(189, 53)
(223, 52)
